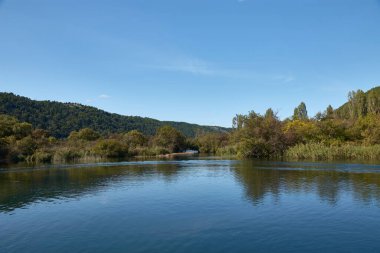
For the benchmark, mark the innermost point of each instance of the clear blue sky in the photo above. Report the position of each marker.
(200, 61)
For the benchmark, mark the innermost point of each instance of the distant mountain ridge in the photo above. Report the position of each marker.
(61, 118)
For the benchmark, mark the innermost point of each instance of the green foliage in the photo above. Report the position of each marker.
(135, 139)
(350, 132)
(7, 125)
(66, 154)
(170, 138)
(330, 114)
(367, 129)
(360, 104)
(300, 131)
(229, 150)
(319, 151)
(332, 131)
(333, 134)
(41, 156)
(110, 148)
(20, 142)
(300, 112)
(16, 142)
(259, 136)
(22, 130)
(85, 134)
(210, 143)
(60, 119)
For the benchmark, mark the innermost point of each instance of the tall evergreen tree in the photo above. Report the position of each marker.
(300, 112)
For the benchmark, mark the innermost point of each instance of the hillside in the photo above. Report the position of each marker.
(360, 103)
(62, 118)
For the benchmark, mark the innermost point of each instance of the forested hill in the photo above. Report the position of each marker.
(62, 118)
(360, 104)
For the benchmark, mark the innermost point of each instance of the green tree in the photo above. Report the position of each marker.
(238, 121)
(259, 136)
(269, 113)
(357, 102)
(22, 130)
(300, 112)
(367, 129)
(211, 142)
(300, 131)
(135, 139)
(7, 124)
(86, 134)
(329, 112)
(170, 138)
(373, 102)
(110, 148)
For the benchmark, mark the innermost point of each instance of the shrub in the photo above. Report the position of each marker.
(110, 148)
(40, 156)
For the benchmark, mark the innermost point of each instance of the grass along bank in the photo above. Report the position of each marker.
(320, 151)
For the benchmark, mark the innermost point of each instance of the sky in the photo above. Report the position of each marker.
(198, 61)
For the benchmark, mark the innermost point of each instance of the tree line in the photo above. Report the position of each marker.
(19, 141)
(349, 132)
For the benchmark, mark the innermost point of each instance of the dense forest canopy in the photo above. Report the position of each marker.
(60, 119)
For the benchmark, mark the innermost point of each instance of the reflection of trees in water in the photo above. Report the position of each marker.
(260, 181)
(21, 187)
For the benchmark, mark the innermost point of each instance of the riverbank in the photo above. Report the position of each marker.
(321, 152)
(180, 154)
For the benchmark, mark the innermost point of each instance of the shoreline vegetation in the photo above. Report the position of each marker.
(351, 132)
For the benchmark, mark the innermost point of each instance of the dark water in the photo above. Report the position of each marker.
(191, 206)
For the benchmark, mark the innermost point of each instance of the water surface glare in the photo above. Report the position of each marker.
(191, 206)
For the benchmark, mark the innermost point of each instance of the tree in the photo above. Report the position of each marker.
(300, 112)
(357, 102)
(86, 134)
(7, 124)
(60, 119)
(332, 131)
(170, 138)
(329, 112)
(22, 130)
(260, 136)
(368, 129)
(373, 102)
(269, 113)
(110, 148)
(300, 131)
(135, 139)
(238, 121)
(211, 142)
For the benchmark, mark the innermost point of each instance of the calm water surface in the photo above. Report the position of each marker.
(191, 206)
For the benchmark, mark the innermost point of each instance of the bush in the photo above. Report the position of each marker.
(135, 139)
(170, 138)
(40, 156)
(67, 154)
(85, 134)
(110, 149)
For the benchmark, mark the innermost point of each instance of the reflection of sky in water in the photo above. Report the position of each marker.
(189, 206)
